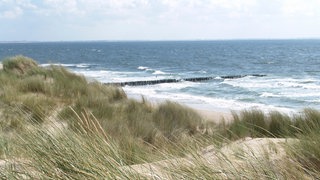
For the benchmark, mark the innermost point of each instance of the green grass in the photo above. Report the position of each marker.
(253, 123)
(280, 125)
(172, 119)
(18, 65)
(98, 131)
(33, 84)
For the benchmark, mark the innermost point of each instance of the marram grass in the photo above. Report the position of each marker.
(56, 125)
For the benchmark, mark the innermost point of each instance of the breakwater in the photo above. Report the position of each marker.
(195, 79)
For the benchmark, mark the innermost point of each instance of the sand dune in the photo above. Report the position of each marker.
(238, 154)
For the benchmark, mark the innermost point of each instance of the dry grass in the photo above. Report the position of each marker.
(102, 131)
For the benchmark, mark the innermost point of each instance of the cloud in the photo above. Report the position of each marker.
(160, 19)
(132, 8)
(161, 9)
(85, 7)
(308, 8)
(11, 9)
(12, 13)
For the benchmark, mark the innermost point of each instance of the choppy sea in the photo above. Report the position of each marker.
(292, 69)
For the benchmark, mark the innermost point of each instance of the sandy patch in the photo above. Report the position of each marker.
(215, 116)
(238, 154)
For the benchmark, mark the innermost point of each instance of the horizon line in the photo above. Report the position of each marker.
(159, 40)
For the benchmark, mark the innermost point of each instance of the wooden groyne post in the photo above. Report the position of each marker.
(195, 79)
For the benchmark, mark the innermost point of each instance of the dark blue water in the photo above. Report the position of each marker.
(292, 68)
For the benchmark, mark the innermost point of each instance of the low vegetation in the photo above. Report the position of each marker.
(55, 124)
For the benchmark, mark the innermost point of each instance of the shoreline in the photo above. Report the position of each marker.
(212, 113)
(217, 115)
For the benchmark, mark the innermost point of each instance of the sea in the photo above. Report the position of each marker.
(291, 68)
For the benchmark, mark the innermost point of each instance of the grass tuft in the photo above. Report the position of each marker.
(172, 118)
(252, 123)
(18, 65)
(280, 124)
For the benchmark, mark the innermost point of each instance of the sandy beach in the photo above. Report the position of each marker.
(215, 116)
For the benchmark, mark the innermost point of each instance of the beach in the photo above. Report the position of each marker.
(215, 116)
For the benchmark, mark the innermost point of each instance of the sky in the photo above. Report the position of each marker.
(81, 20)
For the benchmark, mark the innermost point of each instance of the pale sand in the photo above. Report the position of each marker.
(215, 116)
(241, 154)
(1, 66)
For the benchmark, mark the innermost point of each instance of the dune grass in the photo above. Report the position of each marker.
(55, 124)
(137, 127)
(19, 65)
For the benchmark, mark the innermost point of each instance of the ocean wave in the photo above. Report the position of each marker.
(176, 86)
(58, 64)
(156, 93)
(81, 65)
(314, 101)
(153, 71)
(304, 94)
(268, 94)
(195, 93)
(96, 50)
(163, 92)
(202, 72)
(106, 76)
(158, 72)
(272, 83)
(142, 68)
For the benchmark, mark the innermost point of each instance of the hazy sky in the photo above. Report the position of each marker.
(68, 20)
